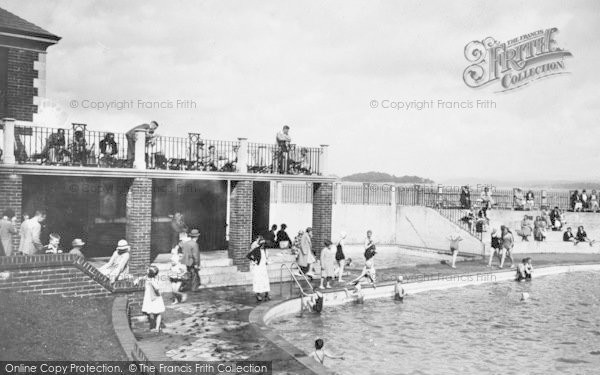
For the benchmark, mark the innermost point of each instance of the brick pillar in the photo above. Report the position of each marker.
(240, 231)
(11, 196)
(321, 217)
(139, 223)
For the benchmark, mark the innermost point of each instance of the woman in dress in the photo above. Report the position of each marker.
(260, 275)
(327, 264)
(117, 267)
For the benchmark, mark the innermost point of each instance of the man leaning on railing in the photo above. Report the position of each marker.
(130, 135)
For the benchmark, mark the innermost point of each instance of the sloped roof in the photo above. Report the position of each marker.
(14, 24)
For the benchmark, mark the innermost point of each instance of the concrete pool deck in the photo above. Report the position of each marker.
(225, 323)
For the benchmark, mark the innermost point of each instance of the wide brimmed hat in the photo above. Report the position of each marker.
(194, 233)
(77, 242)
(123, 245)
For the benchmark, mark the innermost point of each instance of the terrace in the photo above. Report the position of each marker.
(79, 146)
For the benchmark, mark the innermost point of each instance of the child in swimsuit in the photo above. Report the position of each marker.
(319, 354)
(368, 272)
(524, 270)
(314, 302)
(357, 293)
(398, 290)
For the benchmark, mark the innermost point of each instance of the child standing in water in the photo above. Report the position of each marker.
(319, 354)
(357, 293)
(153, 304)
(399, 293)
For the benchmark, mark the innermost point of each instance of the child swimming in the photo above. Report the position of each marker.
(399, 293)
(319, 354)
(357, 293)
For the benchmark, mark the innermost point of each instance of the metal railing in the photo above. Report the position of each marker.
(75, 146)
(191, 154)
(289, 269)
(295, 160)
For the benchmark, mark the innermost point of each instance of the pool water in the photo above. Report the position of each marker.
(482, 329)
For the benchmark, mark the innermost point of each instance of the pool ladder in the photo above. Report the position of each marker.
(289, 269)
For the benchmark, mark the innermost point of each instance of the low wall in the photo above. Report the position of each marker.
(392, 225)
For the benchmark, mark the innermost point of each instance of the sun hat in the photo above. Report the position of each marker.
(123, 245)
(77, 242)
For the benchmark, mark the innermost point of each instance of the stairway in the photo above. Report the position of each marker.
(455, 216)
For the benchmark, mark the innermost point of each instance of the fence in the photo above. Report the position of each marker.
(268, 158)
(68, 147)
(192, 153)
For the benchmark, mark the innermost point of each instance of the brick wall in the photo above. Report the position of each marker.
(20, 89)
(321, 214)
(11, 196)
(139, 224)
(240, 231)
(62, 274)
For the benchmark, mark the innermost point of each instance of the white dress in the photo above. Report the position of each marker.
(260, 275)
(153, 304)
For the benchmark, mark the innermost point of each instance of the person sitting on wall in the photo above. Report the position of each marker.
(108, 149)
(79, 148)
(117, 267)
(283, 240)
(55, 150)
(518, 200)
(53, 245)
(230, 161)
(524, 270)
(526, 228)
(581, 236)
(539, 231)
(529, 200)
(76, 246)
(584, 200)
(270, 237)
(469, 219)
(568, 236)
(593, 203)
(576, 202)
(556, 219)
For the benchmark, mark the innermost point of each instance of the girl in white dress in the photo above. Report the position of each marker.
(153, 304)
(260, 275)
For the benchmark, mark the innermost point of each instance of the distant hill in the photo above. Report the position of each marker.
(385, 177)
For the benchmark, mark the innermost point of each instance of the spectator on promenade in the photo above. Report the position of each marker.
(327, 265)
(496, 246)
(526, 228)
(465, 197)
(594, 202)
(539, 230)
(117, 267)
(454, 245)
(518, 199)
(260, 275)
(283, 240)
(284, 141)
(305, 256)
(481, 222)
(153, 305)
(508, 243)
(320, 354)
(149, 129)
(30, 234)
(76, 246)
(529, 200)
(556, 219)
(546, 217)
(191, 257)
(568, 236)
(178, 226)
(584, 200)
(79, 149)
(581, 236)
(469, 219)
(270, 237)
(230, 160)
(177, 275)
(8, 227)
(486, 200)
(576, 201)
(108, 149)
(55, 150)
(53, 245)
(340, 257)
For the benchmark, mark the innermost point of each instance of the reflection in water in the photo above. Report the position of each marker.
(478, 329)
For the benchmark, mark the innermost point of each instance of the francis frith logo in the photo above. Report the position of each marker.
(514, 63)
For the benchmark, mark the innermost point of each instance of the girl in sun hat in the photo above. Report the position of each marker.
(117, 267)
(153, 304)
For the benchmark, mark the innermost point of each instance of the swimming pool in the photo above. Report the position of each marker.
(471, 330)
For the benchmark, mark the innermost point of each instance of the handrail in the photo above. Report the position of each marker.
(294, 278)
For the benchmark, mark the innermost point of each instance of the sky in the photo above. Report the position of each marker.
(318, 66)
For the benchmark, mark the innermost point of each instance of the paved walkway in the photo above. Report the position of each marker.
(213, 323)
